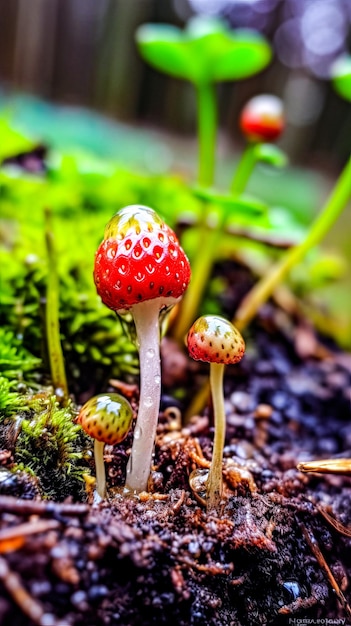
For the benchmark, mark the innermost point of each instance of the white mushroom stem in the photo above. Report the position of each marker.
(100, 468)
(146, 319)
(214, 482)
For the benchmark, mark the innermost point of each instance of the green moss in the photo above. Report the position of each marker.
(51, 446)
(15, 360)
(10, 400)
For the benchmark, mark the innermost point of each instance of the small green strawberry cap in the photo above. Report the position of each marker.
(215, 340)
(106, 417)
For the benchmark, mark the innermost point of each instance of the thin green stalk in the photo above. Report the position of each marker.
(201, 271)
(264, 288)
(209, 243)
(244, 170)
(214, 482)
(57, 366)
(335, 204)
(207, 131)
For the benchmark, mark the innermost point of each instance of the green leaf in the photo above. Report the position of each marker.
(240, 55)
(164, 48)
(341, 76)
(239, 205)
(271, 154)
(248, 205)
(206, 51)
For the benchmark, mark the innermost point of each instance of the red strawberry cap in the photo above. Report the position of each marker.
(139, 259)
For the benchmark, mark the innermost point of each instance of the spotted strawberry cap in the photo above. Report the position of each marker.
(106, 417)
(139, 259)
(215, 340)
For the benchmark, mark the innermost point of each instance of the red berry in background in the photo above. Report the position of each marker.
(262, 118)
(139, 259)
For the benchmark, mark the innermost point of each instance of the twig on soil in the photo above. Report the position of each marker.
(212, 569)
(199, 460)
(298, 605)
(9, 504)
(13, 538)
(327, 466)
(129, 390)
(178, 505)
(30, 607)
(339, 527)
(312, 542)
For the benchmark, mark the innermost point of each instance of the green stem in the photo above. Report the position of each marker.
(214, 482)
(264, 288)
(209, 243)
(207, 130)
(201, 271)
(57, 366)
(100, 468)
(244, 169)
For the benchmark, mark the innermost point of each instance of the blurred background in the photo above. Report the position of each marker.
(82, 52)
(114, 131)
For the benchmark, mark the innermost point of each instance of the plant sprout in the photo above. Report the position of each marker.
(261, 121)
(335, 204)
(264, 288)
(216, 341)
(341, 76)
(141, 268)
(205, 53)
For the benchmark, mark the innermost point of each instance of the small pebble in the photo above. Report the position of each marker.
(236, 421)
(243, 402)
(279, 400)
(263, 411)
(97, 592)
(264, 368)
(328, 445)
(79, 600)
(337, 379)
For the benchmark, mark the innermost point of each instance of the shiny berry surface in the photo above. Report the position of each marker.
(215, 340)
(139, 259)
(106, 417)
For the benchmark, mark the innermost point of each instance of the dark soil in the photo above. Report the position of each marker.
(161, 559)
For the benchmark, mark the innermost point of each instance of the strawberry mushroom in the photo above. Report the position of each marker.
(215, 340)
(106, 418)
(141, 268)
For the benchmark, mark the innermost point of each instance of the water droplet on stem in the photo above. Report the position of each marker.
(137, 432)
